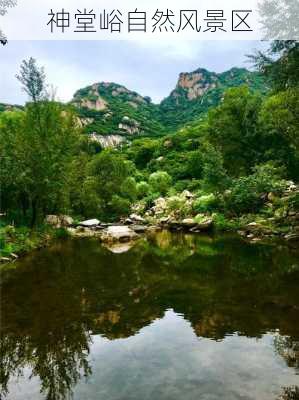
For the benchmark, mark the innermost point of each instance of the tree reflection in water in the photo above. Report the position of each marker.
(54, 300)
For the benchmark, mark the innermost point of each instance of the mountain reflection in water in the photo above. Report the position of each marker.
(177, 316)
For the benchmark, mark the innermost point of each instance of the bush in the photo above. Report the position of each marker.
(268, 178)
(160, 182)
(178, 206)
(61, 233)
(294, 201)
(205, 203)
(248, 193)
(244, 197)
(224, 224)
(119, 206)
(128, 189)
(143, 189)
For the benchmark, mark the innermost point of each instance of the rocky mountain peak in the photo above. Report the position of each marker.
(99, 95)
(107, 108)
(194, 84)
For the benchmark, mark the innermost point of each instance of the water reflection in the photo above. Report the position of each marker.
(77, 307)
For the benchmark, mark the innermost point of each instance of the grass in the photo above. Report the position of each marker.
(20, 240)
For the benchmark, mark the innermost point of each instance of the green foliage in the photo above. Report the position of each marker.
(108, 183)
(39, 145)
(222, 223)
(32, 79)
(143, 189)
(142, 151)
(232, 128)
(160, 182)
(294, 201)
(129, 189)
(22, 239)
(247, 192)
(213, 172)
(119, 103)
(177, 205)
(61, 233)
(178, 109)
(280, 63)
(239, 143)
(244, 197)
(205, 203)
(278, 121)
(119, 207)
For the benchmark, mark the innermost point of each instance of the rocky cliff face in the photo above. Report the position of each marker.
(107, 140)
(109, 109)
(99, 96)
(113, 109)
(195, 84)
(200, 90)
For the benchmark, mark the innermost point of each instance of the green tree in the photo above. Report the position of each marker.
(232, 129)
(38, 147)
(143, 189)
(279, 124)
(33, 80)
(160, 182)
(280, 63)
(213, 172)
(128, 189)
(107, 173)
(142, 151)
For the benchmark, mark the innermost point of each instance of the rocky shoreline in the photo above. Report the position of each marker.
(132, 228)
(280, 222)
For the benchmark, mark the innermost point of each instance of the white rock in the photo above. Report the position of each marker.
(137, 218)
(59, 220)
(53, 220)
(188, 222)
(90, 223)
(66, 220)
(119, 233)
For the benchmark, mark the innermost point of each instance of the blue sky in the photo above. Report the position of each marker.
(150, 68)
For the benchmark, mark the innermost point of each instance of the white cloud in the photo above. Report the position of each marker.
(149, 68)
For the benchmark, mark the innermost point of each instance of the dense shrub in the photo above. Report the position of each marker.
(160, 182)
(248, 193)
(205, 203)
(143, 189)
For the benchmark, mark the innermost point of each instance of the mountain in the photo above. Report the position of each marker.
(200, 90)
(111, 113)
(109, 108)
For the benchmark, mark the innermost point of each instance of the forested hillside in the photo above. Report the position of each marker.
(108, 108)
(222, 147)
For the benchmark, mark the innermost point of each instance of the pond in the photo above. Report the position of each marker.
(174, 317)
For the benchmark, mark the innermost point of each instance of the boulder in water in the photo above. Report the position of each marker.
(204, 225)
(118, 233)
(188, 223)
(89, 223)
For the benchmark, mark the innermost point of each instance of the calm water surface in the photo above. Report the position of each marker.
(175, 317)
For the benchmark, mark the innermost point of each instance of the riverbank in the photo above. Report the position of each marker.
(278, 220)
(18, 241)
